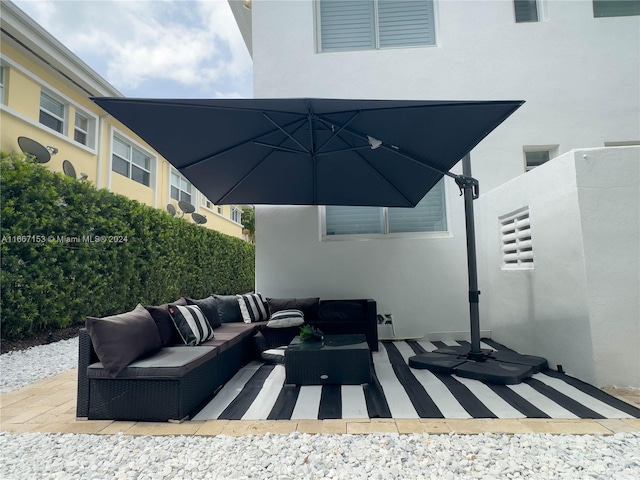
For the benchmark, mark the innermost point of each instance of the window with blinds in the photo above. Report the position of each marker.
(616, 8)
(526, 10)
(428, 216)
(372, 24)
(517, 248)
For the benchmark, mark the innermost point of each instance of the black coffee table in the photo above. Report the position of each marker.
(338, 359)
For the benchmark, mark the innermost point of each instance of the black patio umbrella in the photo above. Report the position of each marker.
(314, 151)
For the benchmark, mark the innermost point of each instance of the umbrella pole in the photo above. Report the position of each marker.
(469, 187)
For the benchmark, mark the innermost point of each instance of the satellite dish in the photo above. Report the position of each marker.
(39, 153)
(171, 209)
(186, 207)
(199, 219)
(67, 168)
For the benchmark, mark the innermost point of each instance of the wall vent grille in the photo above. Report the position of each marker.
(517, 248)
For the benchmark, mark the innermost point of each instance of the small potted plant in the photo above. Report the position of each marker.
(310, 334)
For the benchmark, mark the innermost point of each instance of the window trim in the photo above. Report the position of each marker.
(153, 159)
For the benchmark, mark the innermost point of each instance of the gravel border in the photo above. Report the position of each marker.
(24, 367)
(304, 456)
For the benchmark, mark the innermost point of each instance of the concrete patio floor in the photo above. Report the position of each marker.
(49, 406)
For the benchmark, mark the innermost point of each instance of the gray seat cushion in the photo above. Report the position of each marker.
(229, 334)
(169, 362)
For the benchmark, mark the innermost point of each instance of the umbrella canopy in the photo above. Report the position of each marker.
(306, 151)
(311, 151)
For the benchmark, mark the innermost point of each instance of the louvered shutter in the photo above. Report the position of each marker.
(347, 25)
(405, 23)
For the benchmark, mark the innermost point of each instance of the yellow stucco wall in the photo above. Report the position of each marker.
(25, 77)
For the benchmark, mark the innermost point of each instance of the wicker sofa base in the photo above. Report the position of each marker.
(159, 399)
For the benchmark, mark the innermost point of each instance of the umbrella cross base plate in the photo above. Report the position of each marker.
(502, 368)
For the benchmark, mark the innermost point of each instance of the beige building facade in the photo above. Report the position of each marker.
(45, 93)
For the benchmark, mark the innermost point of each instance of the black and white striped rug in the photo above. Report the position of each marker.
(258, 392)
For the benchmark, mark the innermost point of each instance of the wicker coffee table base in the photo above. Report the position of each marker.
(340, 359)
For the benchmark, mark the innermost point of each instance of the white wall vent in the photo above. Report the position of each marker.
(517, 249)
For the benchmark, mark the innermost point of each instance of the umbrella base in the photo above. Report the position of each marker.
(436, 362)
(498, 367)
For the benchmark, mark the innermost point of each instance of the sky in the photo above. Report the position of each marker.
(153, 48)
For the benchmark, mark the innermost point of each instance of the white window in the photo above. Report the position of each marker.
(373, 24)
(130, 161)
(84, 127)
(536, 155)
(2, 84)
(517, 248)
(205, 202)
(81, 128)
(180, 187)
(526, 11)
(616, 8)
(236, 214)
(220, 209)
(52, 112)
(428, 216)
(535, 159)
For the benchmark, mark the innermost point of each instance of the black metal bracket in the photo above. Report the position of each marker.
(468, 182)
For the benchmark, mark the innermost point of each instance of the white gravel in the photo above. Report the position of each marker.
(304, 456)
(297, 456)
(24, 367)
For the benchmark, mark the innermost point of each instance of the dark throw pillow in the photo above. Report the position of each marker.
(209, 307)
(191, 323)
(120, 339)
(160, 313)
(253, 307)
(228, 308)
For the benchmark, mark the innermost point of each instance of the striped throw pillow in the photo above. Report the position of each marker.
(253, 307)
(191, 323)
(286, 318)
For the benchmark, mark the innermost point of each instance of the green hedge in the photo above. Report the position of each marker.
(69, 250)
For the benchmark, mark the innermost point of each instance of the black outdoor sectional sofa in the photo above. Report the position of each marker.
(137, 365)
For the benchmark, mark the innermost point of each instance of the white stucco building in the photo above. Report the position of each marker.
(577, 66)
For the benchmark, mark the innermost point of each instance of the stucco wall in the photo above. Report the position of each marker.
(420, 280)
(578, 306)
(481, 54)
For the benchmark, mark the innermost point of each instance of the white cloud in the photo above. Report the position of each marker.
(194, 46)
